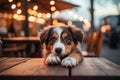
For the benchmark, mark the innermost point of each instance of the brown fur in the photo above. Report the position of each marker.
(71, 49)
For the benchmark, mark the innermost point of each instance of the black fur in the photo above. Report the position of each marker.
(76, 34)
(44, 37)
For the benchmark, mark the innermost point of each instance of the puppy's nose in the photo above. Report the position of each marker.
(58, 50)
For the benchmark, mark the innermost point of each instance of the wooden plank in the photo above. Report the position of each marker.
(109, 68)
(2, 59)
(87, 68)
(95, 69)
(10, 62)
(35, 68)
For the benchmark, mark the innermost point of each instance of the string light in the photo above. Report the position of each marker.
(19, 11)
(53, 8)
(48, 15)
(32, 18)
(39, 15)
(69, 23)
(57, 12)
(55, 22)
(52, 2)
(20, 17)
(10, 0)
(75, 16)
(81, 18)
(35, 7)
(103, 29)
(13, 6)
(70, 12)
(18, 4)
(15, 16)
(40, 20)
(43, 15)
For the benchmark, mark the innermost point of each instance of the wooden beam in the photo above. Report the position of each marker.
(92, 14)
(25, 8)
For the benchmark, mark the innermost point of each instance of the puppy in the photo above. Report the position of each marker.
(61, 44)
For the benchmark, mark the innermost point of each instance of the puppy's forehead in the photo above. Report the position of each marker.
(58, 30)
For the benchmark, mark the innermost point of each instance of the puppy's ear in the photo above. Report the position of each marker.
(44, 36)
(77, 34)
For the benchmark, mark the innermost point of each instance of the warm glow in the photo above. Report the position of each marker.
(75, 16)
(13, 6)
(81, 18)
(87, 24)
(5, 15)
(29, 10)
(35, 7)
(28, 0)
(32, 12)
(1, 15)
(70, 12)
(20, 17)
(43, 15)
(39, 15)
(10, 16)
(48, 15)
(103, 29)
(52, 2)
(69, 23)
(18, 4)
(19, 11)
(57, 12)
(15, 16)
(32, 18)
(107, 27)
(40, 20)
(53, 8)
(10, 0)
(55, 22)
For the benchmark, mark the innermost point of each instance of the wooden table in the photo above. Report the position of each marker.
(24, 40)
(35, 69)
(21, 40)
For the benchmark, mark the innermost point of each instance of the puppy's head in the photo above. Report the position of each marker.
(61, 40)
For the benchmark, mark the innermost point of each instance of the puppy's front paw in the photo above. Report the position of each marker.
(69, 62)
(52, 59)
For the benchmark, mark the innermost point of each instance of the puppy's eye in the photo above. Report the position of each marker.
(52, 41)
(67, 41)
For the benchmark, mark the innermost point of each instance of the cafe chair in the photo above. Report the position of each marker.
(94, 44)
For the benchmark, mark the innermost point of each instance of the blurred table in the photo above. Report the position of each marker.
(21, 40)
(35, 69)
(29, 41)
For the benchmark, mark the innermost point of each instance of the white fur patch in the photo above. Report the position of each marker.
(52, 59)
(78, 46)
(69, 62)
(59, 44)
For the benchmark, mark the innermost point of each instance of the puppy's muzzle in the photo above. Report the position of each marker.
(58, 50)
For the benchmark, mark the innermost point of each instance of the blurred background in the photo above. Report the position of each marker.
(99, 19)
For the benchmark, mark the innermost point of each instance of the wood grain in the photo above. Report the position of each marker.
(10, 62)
(87, 68)
(96, 69)
(35, 69)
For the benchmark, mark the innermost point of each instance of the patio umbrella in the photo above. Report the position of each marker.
(48, 5)
(44, 6)
(59, 4)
